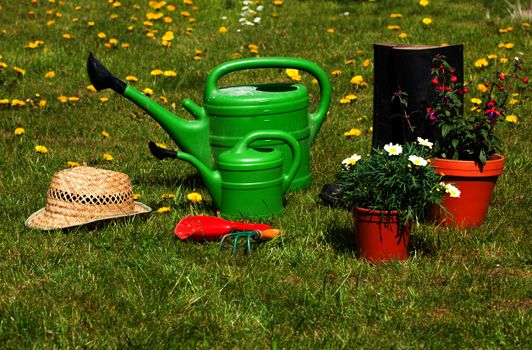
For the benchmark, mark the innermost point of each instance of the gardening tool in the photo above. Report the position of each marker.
(212, 228)
(248, 236)
(232, 112)
(249, 182)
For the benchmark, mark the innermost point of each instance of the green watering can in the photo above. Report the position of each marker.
(250, 182)
(232, 112)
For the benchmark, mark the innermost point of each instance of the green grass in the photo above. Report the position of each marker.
(130, 282)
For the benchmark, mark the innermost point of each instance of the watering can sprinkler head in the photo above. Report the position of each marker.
(101, 78)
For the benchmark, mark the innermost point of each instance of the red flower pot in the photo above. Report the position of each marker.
(476, 187)
(378, 235)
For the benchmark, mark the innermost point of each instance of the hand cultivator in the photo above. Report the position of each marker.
(212, 228)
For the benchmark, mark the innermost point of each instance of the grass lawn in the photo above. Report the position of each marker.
(131, 283)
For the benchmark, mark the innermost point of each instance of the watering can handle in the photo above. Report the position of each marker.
(288, 177)
(316, 118)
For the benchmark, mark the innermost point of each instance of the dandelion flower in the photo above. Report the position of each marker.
(132, 78)
(357, 79)
(72, 164)
(366, 63)
(148, 91)
(330, 30)
(73, 99)
(393, 150)
(512, 118)
(41, 149)
(396, 15)
(107, 157)
(163, 210)
(168, 36)
(49, 75)
(393, 27)
(17, 102)
(424, 2)
(167, 195)
(336, 72)
(19, 131)
(476, 100)
(223, 29)
(102, 35)
(169, 73)
(4, 101)
(427, 21)
(91, 88)
(136, 196)
(353, 133)
(19, 70)
(481, 62)
(403, 35)
(351, 97)
(42, 103)
(293, 73)
(156, 72)
(482, 88)
(194, 197)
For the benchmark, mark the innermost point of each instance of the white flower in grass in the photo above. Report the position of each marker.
(349, 162)
(424, 142)
(453, 191)
(417, 160)
(393, 150)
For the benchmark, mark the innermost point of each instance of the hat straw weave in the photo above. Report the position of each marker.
(81, 195)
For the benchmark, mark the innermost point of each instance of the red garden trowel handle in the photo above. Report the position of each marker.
(212, 228)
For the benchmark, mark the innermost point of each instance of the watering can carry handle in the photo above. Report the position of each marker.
(288, 177)
(316, 118)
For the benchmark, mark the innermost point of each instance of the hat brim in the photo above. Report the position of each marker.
(43, 220)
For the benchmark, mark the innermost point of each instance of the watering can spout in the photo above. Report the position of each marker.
(192, 136)
(211, 178)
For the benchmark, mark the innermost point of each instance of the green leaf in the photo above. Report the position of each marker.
(482, 157)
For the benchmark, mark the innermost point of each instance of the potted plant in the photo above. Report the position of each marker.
(388, 191)
(466, 148)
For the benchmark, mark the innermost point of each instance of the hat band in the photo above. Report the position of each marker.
(90, 199)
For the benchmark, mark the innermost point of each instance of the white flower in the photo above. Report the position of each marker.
(260, 8)
(417, 160)
(453, 191)
(424, 142)
(348, 162)
(257, 20)
(393, 150)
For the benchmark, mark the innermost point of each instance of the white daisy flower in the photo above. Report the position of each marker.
(417, 160)
(393, 150)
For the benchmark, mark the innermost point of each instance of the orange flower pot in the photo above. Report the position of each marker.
(378, 235)
(476, 187)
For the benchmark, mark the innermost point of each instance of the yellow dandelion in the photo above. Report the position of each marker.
(336, 72)
(73, 99)
(481, 62)
(63, 99)
(492, 56)
(104, 99)
(357, 79)
(156, 72)
(194, 197)
(393, 27)
(223, 29)
(41, 149)
(42, 103)
(125, 45)
(351, 97)
(427, 21)
(67, 36)
(105, 134)
(424, 2)
(482, 88)
(403, 35)
(330, 30)
(136, 196)
(90, 23)
(4, 101)
(132, 78)
(512, 118)
(73, 164)
(278, 2)
(107, 157)
(16, 102)
(509, 46)
(19, 70)
(366, 63)
(163, 210)
(503, 60)
(169, 73)
(345, 101)
(113, 41)
(148, 91)
(49, 75)
(353, 133)
(167, 195)
(476, 100)
(102, 35)
(168, 36)
(91, 87)
(19, 131)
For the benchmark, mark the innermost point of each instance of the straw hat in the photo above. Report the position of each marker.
(82, 195)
